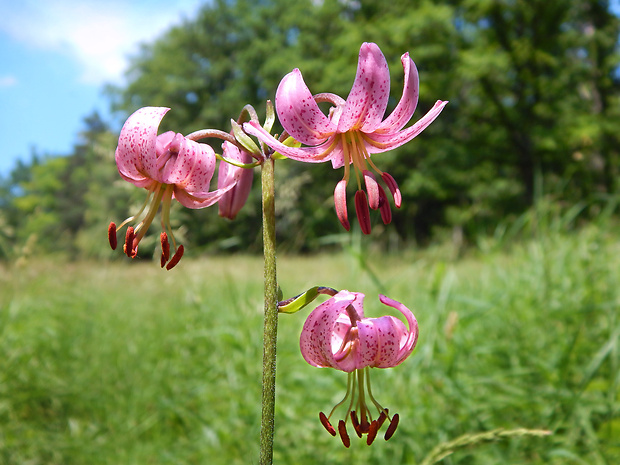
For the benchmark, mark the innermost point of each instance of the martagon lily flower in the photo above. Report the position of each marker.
(168, 166)
(337, 335)
(353, 130)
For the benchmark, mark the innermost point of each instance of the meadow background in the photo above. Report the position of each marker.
(506, 249)
(107, 362)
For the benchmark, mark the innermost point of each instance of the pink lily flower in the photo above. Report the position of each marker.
(337, 335)
(233, 200)
(168, 166)
(353, 130)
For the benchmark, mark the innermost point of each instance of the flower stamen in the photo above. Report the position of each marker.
(112, 235)
(392, 428)
(358, 390)
(344, 436)
(165, 248)
(176, 258)
(128, 248)
(328, 426)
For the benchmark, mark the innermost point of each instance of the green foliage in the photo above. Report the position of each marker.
(533, 88)
(167, 369)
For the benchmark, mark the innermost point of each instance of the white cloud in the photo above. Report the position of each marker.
(7, 81)
(98, 34)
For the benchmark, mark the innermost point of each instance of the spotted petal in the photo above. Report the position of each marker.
(403, 112)
(315, 154)
(136, 155)
(368, 99)
(408, 339)
(318, 331)
(377, 143)
(299, 113)
(193, 167)
(197, 200)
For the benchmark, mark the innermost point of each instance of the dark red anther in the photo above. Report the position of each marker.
(340, 201)
(112, 235)
(326, 424)
(382, 417)
(372, 432)
(392, 428)
(175, 258)
(384, 207)
(342, 429)
(356, 424)
(362, 211)
(129, 248)
(165, 248)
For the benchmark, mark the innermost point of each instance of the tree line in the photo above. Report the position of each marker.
(534, 110)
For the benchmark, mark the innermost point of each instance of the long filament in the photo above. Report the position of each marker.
(366, 154)
(165, 214)
(346, 157)
(346, 396)
(146, 222)
(372, 398)
(362, 397)
(132, 218)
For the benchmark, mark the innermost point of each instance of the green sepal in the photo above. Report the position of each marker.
(297, 303)
(270, 117)
(244, 139)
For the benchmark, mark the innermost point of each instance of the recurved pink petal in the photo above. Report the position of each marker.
(368, 99)
(136, 151)
(408, 102)
(162, 147)
(316, 336)
(316, 154)
(408, 339)
(299, 113)
(379, 341)
(230, 204)
(192, 168)
(377, 143)
(177, 161)
(198, 200)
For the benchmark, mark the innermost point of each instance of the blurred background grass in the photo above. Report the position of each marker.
(109, 363)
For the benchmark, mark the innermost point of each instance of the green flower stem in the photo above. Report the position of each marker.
(271, 313)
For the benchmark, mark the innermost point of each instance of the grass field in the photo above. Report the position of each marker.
(123, 363)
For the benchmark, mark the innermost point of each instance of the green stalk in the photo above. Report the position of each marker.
(271, 313)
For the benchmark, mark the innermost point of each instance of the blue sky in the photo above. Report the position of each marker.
(55, 58)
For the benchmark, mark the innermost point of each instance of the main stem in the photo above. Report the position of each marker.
(270, 332)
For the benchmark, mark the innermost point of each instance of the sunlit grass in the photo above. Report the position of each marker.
(118, 363)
